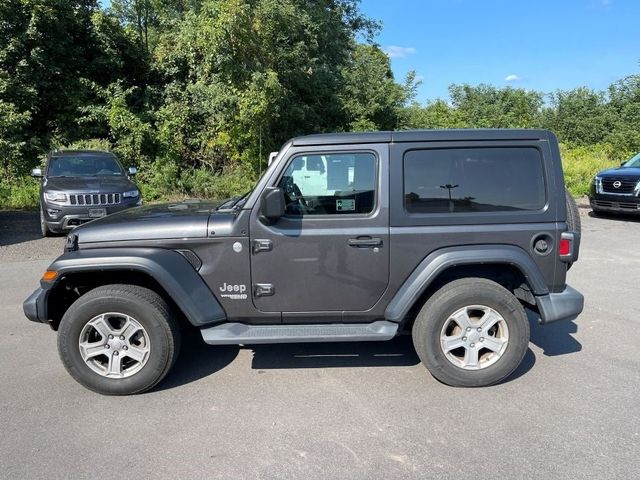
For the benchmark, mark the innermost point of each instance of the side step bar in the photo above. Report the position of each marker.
(239, 333)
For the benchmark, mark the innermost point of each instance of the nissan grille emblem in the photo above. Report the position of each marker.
(617, 184)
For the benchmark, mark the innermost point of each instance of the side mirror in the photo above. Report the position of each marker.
(36, 173)
(622, 164)
(273, 203)
(133, 171)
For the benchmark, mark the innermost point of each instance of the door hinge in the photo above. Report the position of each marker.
(262, 245)
(263, 290)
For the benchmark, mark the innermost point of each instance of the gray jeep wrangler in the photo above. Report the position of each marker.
(449, 235)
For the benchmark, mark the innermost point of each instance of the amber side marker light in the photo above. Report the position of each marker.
(49, 276)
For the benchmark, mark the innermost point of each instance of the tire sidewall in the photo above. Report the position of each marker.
(146, 314)
(441, 307)
(44, 228)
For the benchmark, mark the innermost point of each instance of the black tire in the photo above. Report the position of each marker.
(573, 218)
(449, 299)
(148, 309)
(44, 228)
(573, 214)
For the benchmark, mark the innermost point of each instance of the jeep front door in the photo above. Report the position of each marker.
(329, 253)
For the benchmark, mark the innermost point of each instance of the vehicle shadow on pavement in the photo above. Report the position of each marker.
(618, 217)
(555, 338)
(17, 226)
(197, 360)
(398, 352)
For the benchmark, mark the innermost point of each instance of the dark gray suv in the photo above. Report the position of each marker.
(81, 185)
(447, 235)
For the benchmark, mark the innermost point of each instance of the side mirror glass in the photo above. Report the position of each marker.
(36, 173)
(133, 171)
(273, 203)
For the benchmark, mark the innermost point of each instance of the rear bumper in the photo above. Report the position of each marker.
(554, 307)
(35, 307)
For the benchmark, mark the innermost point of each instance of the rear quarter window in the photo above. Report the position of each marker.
(489, 179)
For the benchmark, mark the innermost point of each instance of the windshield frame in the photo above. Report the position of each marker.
(105, 155)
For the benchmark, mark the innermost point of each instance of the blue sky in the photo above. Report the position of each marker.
(534, 44)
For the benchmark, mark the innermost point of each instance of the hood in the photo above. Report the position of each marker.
(632, 173)
(115, 184)
(150, 222)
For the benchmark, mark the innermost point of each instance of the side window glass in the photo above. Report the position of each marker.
(473, 180)
(330, 184)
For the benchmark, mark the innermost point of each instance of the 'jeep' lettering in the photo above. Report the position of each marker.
(233, 288)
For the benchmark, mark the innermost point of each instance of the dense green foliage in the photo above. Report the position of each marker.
(197, 92)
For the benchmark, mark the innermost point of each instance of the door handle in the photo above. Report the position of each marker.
(364, 242)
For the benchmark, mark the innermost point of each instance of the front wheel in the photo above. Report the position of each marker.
(471, 333)
(118, 339)
(44, 228)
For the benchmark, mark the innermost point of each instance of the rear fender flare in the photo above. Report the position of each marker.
(440, 260)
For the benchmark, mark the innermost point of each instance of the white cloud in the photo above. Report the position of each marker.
(395, 51)
(512, 78)
(419, 78)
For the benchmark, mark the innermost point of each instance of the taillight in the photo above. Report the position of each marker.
(565, 247)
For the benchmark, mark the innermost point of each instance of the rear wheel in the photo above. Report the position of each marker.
(118, 339)
(471, 333)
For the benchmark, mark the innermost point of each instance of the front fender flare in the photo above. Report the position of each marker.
(438, 261)
(170, 269)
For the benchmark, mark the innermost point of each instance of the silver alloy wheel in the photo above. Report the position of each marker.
(114, 345)
(474, 337)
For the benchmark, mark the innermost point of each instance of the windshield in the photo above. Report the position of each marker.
(633, 163)
(84, 166)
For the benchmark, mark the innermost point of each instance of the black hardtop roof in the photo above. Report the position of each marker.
(61, 153)
(471, 134)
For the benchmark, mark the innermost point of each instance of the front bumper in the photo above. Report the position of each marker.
(614, 203)
(554, 307)
(73, 216)
(35, 307)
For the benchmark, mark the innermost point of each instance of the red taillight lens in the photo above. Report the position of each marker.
(564, 248)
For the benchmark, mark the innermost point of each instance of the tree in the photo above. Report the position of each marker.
(53, 53)
(276, 67)
(371, 97)
(578, 116)
(485, 106)
(623, 113)
(436, 114)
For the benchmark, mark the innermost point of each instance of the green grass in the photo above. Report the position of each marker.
(582, 163)
(18, 194)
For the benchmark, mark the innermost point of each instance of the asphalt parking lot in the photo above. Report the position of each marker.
(357, 411)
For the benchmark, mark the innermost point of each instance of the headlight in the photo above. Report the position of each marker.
(131, 194)
(55, 196)
(598, 184)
